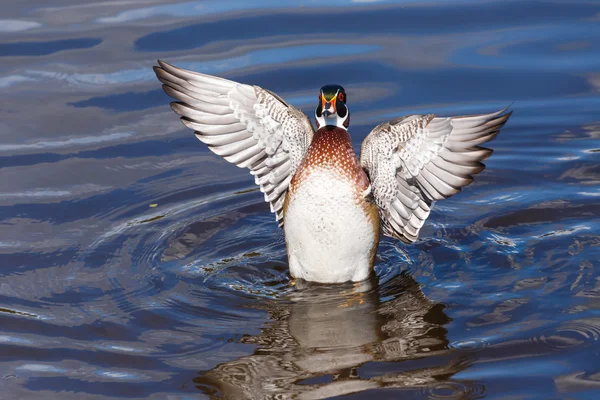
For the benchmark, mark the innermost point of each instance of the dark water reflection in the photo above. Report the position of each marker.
(325, 341)
(136, 264)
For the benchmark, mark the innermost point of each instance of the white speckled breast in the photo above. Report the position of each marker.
(331, 230)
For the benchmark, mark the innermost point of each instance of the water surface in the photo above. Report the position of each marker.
(137, 264)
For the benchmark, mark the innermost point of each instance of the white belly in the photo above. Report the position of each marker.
(328, 233)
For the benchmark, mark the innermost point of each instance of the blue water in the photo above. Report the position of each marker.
(136, 264)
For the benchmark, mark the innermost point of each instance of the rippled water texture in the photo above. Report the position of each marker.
(136, 264)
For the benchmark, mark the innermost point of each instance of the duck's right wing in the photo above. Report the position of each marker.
(246, 125)
(416, 160)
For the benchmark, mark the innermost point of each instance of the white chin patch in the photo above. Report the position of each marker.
(332, 120)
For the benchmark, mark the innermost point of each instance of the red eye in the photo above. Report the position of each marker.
(341, 96)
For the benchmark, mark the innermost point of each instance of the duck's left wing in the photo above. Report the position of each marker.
(415, 160)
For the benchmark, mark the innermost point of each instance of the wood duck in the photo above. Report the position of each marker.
(331, 204)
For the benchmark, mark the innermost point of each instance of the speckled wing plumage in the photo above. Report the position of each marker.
(415, 160)
(246, 125)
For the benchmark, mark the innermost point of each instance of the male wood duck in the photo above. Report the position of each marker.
(331, 204)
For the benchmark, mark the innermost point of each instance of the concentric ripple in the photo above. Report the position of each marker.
(572, 334)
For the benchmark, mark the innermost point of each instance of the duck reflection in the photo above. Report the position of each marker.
(323, 338)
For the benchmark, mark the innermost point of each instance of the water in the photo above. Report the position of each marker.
(137, 264)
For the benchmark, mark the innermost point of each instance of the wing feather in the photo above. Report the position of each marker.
(226, 138)
(415, 160)
(246, 125)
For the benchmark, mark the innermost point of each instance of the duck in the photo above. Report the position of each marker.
(333, 205)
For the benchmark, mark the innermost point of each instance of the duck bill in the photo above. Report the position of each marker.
(328, 106)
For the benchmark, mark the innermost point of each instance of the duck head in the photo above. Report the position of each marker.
(332, 110)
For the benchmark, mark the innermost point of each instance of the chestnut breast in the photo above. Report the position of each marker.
(331, 148)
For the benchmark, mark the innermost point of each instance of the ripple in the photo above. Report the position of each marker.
(578, 381)
(261, 282)
(46, 48)
(469, 345)
(22, 313)
(456, 390)
(176, 215)
(15, 25)
(581, 333)
(199, 259)
(41, 368)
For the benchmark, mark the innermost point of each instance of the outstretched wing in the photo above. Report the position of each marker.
(246, 125)
(414, 160)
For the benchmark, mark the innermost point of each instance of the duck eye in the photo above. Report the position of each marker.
(341, 96)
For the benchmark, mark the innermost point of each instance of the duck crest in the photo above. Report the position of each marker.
(331, 149)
